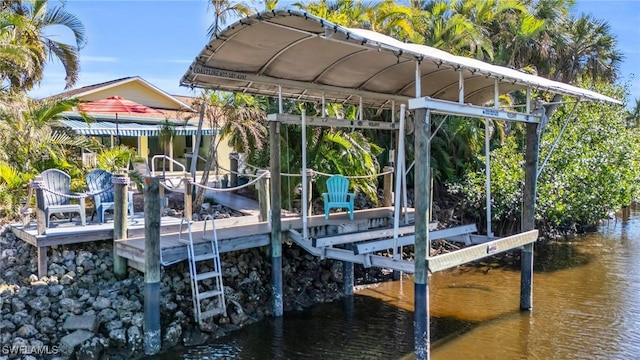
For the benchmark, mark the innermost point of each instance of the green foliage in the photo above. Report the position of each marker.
(594, 170)
(12, 189)
(507, 178)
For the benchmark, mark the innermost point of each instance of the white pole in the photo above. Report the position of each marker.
(280, 105)
(418, 80)
(305, 194)
(399, 179)
(360, 115)
(460, 87)
(393, 111)
(324, 107)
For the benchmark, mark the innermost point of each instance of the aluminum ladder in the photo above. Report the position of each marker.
(213, 273)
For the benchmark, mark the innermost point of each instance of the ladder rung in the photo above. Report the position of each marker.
(212, 312)
(208, 256)
(207, 275)
(209, 294)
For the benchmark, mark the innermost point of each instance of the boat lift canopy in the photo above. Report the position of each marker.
(310, 58)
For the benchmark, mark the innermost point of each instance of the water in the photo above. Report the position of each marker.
(585, 301)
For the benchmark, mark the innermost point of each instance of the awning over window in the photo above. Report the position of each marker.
(105, 128)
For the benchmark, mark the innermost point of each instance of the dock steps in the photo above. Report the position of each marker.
(211, 262)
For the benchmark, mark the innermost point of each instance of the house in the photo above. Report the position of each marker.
(140, 130)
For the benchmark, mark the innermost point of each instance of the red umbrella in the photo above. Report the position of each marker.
(116, 105)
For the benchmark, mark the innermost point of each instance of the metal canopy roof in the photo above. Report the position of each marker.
(308, 57)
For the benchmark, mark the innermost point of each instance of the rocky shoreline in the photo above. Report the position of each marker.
(80, 310)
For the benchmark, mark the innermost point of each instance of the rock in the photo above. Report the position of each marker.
(70, 305)
(69, 342)
(91, 349)
(172, 335)
(27, 331)
(17, 305)
(107, 315)
(6, 327)
(69, 255)
(67, 278)
(134, 338)
(19, 342)
(47, 325)
(113, 325)
(101, 303)
(55, 290)
(137, 320)
(118, 336)
(194, 337)
(82, 257)
(83, 322)
(40, 303)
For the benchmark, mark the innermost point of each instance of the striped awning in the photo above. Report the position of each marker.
(105, 128)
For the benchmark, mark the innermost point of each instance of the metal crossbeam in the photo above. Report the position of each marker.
(333, 122)
(451, 108)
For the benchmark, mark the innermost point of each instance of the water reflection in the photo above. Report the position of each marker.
(584, 307)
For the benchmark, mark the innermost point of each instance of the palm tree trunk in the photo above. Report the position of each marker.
(211, 157)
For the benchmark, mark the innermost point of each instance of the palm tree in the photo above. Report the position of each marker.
(243, 122)
(30, 143)
(223, 10)
(37, 16)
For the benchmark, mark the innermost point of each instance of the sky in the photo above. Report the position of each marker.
(158, 39)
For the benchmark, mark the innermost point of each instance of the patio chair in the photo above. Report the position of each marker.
(59, 182)
(338, 195)
(97, 181)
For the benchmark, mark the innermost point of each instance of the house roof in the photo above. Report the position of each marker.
(161, 99)
(308, 58)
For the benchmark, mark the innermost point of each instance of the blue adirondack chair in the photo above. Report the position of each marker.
(338, 195)
(97, 181)
(60, 182)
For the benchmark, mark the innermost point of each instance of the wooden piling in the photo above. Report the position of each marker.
(233, 163)
(120, 183)
(152, 339)
(387, 185)
(276, 221)
(422, 244)
(528, 215)
(263, 194)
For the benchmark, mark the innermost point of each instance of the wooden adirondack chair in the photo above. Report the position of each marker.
(338, 195)
(59, 182)
(97, 181)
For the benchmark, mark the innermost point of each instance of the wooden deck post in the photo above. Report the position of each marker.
(233, 163)
(188, 198)
(422, 242)
(263, 194)
(276, 221)
(387, 184)
(120, 205)
(152, 266)
(41, 224)
(528, 215)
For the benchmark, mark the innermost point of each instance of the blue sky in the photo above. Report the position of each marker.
(157, 40)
